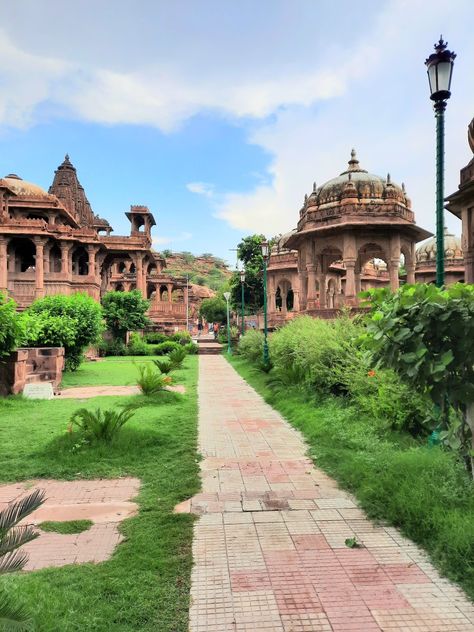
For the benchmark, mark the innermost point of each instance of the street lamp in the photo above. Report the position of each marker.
(242, 281)
(227, 297)
(440, 70)
(265, 253)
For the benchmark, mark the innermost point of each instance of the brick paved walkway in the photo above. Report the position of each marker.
(269, 548)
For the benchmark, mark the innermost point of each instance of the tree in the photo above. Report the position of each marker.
(426, 335)
(73, 322)
(249, 251)
(11, 330)
(125, 311)
(214, 309)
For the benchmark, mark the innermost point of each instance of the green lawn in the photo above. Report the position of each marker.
(145, 585)
(112, 371)
(423, 491)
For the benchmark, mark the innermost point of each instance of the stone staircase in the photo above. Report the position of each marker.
(208, 346)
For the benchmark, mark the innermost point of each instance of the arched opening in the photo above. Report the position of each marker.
(163, 293)
(119, 287)
(331, 293)
(152, 269)
(80, 261)
(278, 302)
(139, 223)
(290, 299)
(177, 296)
(132, 268)
(22, 255)
(55, 258)
(150, 291)
(121, 267)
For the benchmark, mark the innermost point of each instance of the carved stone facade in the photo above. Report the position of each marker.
(53, 243)
(351, 235)
(461, 204)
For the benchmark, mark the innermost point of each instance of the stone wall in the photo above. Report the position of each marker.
(35, 364)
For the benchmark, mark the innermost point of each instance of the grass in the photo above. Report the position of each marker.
(111, 371)
(423, 491)
(145, 585)
(67, 527)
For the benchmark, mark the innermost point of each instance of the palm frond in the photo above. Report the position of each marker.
(14, 617)
(16, 537)
(16, 511)
(12, 562)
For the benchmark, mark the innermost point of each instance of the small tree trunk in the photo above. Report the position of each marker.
(470, 423)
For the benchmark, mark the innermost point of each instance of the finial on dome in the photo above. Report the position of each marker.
(403, 187)
(349, 176)
(314, 187)
(388, 179)
(353, 162)
(305, 198)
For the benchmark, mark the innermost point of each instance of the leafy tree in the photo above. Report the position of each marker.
(167, 253)
(426, 335)
(125, 311)
(214, 309)
(11, 329)
(73, 322)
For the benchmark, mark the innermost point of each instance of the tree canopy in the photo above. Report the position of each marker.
(125, 311)
(214, 309)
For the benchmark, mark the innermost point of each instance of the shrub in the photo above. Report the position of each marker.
(165, 347)
(251, 345)
(163, 365)
(150, 381)
(155, 337)
(101, 425)
(137, 346)
(112, 348)
(191, 348)
(183, 337)
(125, 311)
(73, 322)
(177, 357)
(11, 330)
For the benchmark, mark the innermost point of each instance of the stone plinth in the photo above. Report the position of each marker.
(26, 366)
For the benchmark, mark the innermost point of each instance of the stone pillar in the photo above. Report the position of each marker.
(170, 292)
(322, 290)
(39, 268)
(469, 266)
(139, 275)
(410, 268)
(358, 286)
(271, 302)
(296, 301)
(350, 282)
(65, 266)
(284, 296)
(311, 296)
(3, 264)
(393, 267)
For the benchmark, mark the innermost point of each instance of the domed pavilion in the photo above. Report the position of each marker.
(351, 234)
(425, 267)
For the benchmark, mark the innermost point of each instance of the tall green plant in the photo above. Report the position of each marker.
(426, 335)
(125, 311)
(101, 425)
(13, 615)
(11, 330)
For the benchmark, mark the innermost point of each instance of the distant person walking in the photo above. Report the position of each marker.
(215, 328)
(199, 328)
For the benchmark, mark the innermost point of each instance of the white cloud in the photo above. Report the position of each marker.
(201, 188)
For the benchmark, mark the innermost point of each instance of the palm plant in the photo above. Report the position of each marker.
(152, 382)
(177, 356)
(102, 425)
(164, 365)
(14, 616)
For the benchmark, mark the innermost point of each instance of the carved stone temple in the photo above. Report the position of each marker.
(51, 242)
(351, 235)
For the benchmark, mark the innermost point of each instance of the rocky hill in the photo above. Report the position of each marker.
(205, 270)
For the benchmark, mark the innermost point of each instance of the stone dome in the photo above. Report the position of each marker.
(279, 245)
(426, 252)
(359, 183)
(25, 189)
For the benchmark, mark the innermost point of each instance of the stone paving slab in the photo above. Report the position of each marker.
(106, 502)
(269, 547)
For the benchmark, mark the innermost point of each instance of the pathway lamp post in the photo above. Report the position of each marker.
(265, 255)
(242, 281)
(440, 69)
(227, 297)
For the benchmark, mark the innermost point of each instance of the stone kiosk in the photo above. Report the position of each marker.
(461, 204)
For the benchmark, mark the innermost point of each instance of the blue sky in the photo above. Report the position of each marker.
(219, 115)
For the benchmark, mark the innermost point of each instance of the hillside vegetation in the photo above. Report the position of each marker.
(205, 269)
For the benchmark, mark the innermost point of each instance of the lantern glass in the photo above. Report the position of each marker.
(242, 276)
(227, 295)
(264, 246)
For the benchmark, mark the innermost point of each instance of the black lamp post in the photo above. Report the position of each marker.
(265, 254)
(242, 281)
(440, 70)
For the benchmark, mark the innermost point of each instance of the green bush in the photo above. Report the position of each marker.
(125, 311)
(73, 322)
(155, 337)
(191, 348)
(251, 345)
(151, 381)
(183, 337)
(163, 365)
(177, 357)
(165, 347)
(11, 329)
(137, 346)
(112, 348)
(101, 425)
